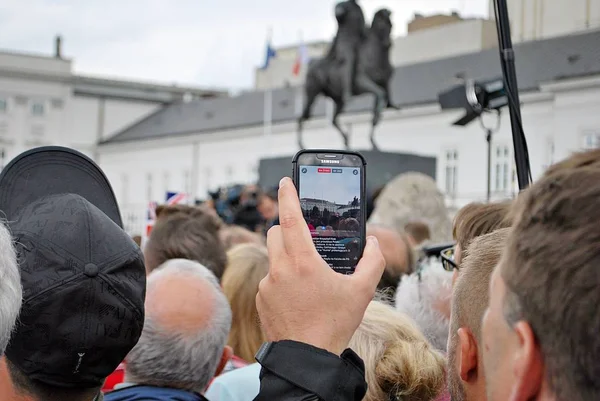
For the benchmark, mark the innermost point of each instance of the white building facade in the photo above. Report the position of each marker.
(559, 119)
(42, 102)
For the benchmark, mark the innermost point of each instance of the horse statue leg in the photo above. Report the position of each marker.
(310, 99)
(388, 98)
(364, 84)
(339, 107)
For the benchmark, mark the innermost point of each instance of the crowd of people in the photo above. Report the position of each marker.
(213, 310)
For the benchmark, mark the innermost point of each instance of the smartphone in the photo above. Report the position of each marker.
(331, 186)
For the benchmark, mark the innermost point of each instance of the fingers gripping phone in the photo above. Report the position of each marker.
(331, 186)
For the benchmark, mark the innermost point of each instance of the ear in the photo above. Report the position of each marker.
(227, 354)
(528, 364)
(467, 357)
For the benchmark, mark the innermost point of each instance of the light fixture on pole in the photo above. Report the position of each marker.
(477, 98)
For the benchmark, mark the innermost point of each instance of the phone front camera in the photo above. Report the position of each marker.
(355, 172)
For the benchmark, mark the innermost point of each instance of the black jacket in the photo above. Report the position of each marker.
(293, 371)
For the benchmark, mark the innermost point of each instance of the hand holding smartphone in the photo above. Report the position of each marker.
(331, 186)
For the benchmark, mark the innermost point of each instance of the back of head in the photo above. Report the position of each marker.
(187, 323)
(186, 237)
(83, 298)
(399, 362)
(235, 235)
(577, 160)
(477, 219)
(10, 287)
(425, 297)
(208, 216)
(247, 265)
(410, 197)
(550, 268)
(470, 296)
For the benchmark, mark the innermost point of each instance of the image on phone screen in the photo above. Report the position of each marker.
(331, 205)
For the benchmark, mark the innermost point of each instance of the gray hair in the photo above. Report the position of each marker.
(413, 197)
(422, 295)
(164, 358)
(11, 293)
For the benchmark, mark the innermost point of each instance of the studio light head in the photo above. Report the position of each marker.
(475, 97)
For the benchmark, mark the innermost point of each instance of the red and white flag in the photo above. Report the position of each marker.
(302, 59)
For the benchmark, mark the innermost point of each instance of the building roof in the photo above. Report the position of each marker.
(128, 89)
(536, 62)
(35, 67)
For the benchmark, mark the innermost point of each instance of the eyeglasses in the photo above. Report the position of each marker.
(448, 262)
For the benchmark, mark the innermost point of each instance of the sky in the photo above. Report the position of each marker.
(337, 188)
(206, 43)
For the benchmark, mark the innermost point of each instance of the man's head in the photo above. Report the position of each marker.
(399, 256)
(477, 219)
(469, 301)
(540, 331)
(187, 324)
(10, 287)
(82, 277)
(187, 237)
(267, 205)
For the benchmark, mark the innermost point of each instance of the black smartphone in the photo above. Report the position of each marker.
(332, 190)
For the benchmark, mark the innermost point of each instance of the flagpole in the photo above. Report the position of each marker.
(268, 99)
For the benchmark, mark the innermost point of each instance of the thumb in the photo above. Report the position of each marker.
(370, 267)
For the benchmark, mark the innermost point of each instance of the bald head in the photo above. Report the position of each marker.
(188, 319)
(471, 292)
(174, 293)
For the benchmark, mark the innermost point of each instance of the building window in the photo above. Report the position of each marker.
(149, 187)
(591, 141)
(166, 181)
(3, 105)
(125, 189)
(3, 128)
(187, 182)
(38, 109)
(2, 158)
(451, 172)
(502, 171)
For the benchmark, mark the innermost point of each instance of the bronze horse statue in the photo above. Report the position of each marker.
(372, 74)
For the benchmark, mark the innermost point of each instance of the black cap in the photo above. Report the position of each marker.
(83, 277)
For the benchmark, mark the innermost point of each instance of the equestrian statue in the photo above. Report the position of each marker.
(357, 63)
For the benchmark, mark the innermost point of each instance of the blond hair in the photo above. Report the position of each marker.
(235, 235)
(399, 362)
(247, 265)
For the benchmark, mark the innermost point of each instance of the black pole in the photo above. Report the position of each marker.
(507, 60)
(488, 138)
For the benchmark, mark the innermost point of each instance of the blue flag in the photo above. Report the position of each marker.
(271, 53)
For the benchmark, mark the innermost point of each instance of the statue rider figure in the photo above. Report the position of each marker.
(351, 32)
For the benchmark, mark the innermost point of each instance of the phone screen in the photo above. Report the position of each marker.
(330, 197)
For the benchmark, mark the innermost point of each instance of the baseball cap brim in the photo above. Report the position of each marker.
(52, 170)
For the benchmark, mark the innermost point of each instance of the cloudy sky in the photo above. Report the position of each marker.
(199, 42)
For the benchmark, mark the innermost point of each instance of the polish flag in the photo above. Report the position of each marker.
(301, 59)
